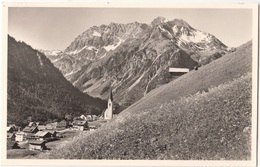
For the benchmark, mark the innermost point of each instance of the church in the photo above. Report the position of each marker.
(109, 111)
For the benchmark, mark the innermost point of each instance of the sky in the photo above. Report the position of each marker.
(55, 28)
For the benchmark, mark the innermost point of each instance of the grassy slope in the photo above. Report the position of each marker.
(167, 125)
(219, 71)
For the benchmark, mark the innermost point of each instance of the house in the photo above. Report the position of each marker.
(37, 145)
(10, 129)
(83, 117)
(92, 127)
(62, 124)
(43, 135)
(31, 124)
(179, 70)
(31, 129)
(20, 136)
(79, 124)
(89, 118)
(51, 126)
(31, 136)
(94, 117)
(11, 136)
(41, 127)
(13, 128)
(53, 133)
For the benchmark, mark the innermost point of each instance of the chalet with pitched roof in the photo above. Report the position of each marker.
(41, 127)
(35, 124)
(10, 129)
(31, 129)
(51, 126)
(79, 124)
(20, 136)
(43, 135)
(37, 145)
(63, 124)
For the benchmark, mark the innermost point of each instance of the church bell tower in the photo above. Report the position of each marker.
(109, 110)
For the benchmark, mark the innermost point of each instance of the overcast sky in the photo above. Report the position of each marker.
(56, 28)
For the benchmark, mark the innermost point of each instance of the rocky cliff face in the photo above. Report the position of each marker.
(134, 58)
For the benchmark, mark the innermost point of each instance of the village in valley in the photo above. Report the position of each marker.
(38, 138)
(118, 87)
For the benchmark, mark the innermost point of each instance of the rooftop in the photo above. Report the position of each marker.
(37, 142)
(41, 133)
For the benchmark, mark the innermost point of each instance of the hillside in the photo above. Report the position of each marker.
(134, 58)
(217, 72)
(202, 115)
(38, 90)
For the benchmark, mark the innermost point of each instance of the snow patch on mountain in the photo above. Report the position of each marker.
(51, 52)
(56, 60)
(114, 46)
(196, 37)
(73, 52)
(91, 48)
(175, 29)
(179, 42)
(147, 86)
(72, 72)
(95, 33)
(136, 82)
(103, 56)
(39, 58)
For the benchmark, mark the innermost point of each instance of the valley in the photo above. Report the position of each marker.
(162, 90)
(181, 120)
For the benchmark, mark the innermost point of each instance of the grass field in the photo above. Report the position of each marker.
(202, 115)
(68, 136)
(217, 72)
(19, 153)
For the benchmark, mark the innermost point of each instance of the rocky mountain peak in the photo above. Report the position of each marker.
(180, 23)
(158, 20)
(134, 57)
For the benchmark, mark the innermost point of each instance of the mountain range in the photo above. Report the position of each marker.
(134, 58)
(205, 114)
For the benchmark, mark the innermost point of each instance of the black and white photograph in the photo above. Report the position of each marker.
(131, 83)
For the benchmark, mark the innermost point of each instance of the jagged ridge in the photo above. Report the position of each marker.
(134, 58)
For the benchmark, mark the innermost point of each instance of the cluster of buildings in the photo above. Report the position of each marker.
(37, 135)
(34, 133)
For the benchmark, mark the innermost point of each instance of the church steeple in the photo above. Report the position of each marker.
(109, 111)
(110, 95)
